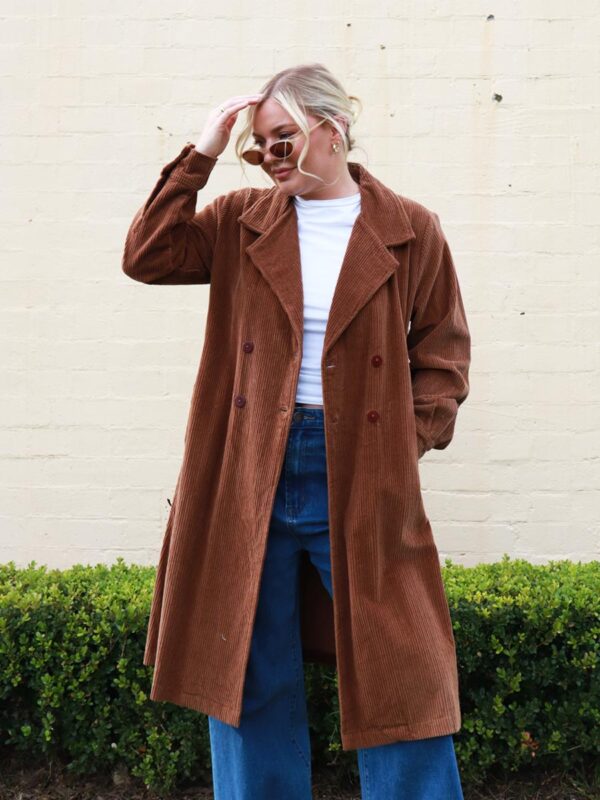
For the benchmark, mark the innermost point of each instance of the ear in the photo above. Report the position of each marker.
(344, 124)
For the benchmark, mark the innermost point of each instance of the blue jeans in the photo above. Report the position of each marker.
(268, 757)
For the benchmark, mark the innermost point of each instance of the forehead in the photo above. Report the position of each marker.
(270, 117)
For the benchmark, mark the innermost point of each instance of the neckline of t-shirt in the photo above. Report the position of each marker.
(333, 201)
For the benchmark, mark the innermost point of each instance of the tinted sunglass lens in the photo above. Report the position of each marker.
(253, 157)
(282, 149)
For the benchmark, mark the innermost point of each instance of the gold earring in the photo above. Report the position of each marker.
(335, 147)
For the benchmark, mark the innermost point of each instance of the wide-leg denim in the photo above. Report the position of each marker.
(268, 757)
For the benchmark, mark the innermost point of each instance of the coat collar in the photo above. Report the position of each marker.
(383, 222)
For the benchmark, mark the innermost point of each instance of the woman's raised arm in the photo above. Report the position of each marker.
(167, 241)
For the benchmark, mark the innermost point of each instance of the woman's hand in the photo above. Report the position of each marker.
(217, 130)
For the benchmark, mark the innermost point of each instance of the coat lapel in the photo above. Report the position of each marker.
(368, 263)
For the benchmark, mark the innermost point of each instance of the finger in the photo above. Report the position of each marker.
(228, 113)
(239, 100)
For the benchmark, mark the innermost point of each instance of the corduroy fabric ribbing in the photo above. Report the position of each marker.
(395, 371)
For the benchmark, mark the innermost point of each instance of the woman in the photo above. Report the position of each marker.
(336, 354)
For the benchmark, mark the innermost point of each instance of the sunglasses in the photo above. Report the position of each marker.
(282, 148)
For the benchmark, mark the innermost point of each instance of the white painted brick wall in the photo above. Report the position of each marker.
(98, 369)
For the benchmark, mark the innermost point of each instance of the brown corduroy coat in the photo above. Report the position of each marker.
(394, 370)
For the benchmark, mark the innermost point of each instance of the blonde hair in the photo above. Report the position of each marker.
(301, 90)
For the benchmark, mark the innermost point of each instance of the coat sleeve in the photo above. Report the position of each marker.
(439, 342)
(167, 241)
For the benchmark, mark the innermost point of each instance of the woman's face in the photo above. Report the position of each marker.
(272, 122)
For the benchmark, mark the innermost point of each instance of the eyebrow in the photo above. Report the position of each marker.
(276, 128)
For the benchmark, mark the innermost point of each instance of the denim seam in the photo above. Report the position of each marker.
(286, 493)
(302, 458)
(367, 793)
(294, 695)
(289, 525)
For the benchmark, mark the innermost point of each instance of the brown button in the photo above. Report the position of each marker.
(373, 416)
(240, 400)
(248, 347)
(376, 361)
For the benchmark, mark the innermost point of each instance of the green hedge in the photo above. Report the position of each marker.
(73, 686)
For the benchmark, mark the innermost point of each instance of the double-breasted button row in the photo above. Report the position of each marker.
(373, 415)
(240, 399)
(248, 347)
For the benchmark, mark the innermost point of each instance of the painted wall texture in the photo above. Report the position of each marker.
(488, 116)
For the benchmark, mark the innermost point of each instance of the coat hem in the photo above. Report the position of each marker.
(351, 740)
(197, 702)
(375, 736)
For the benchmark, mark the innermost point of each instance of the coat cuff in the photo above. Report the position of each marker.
(423, 443)
(190, 167)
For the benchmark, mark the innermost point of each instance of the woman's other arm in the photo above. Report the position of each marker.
(439, 342)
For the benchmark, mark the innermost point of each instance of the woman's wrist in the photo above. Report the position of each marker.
(199, 149)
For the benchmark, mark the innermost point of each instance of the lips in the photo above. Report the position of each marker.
(282, 172)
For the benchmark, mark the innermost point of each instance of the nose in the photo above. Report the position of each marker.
(269, 158)
(271, 163)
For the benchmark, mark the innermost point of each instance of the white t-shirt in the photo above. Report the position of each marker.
(324, 228)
